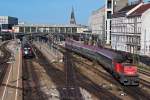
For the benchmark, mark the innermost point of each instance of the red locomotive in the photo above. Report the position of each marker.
(115, 63)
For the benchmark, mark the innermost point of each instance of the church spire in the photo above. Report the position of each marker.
(72, 17)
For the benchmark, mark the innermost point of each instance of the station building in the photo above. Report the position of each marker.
(45, 28)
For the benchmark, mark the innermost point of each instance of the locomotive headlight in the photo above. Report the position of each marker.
(125, 80)
(26, 52)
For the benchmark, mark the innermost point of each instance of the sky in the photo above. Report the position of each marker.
(49, 11)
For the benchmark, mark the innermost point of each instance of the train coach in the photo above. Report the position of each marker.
(116, 64)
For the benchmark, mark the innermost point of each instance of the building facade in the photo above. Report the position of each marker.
(7, 22)
(111, 6)
(97, 24)
(145, 33)
(97, 21)
(100, 20)
(130, 29)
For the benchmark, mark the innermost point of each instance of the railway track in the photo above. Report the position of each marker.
(96, 90)
(144, 72)
(4, 65)
(30, 82)
(144, 83)
(73, 91)
(68, 89)
(107, 76)
(58, 76)
(140, 94)
(145, 60)
(6, 53)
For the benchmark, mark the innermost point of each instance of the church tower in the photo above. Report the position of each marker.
(72, 17)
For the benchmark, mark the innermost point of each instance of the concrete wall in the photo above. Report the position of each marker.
(97, 20)
(119, 4)
(145, 34)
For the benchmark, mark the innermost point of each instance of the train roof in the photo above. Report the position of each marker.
(110, 54)
(103, 51)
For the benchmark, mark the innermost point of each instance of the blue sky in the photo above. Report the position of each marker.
(49, 11)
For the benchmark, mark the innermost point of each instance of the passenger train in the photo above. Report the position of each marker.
(27, 51)
(119, 66)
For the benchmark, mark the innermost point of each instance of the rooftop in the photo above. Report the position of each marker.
(51, 25)
(123, 11)
(7, 17)
(140, 10)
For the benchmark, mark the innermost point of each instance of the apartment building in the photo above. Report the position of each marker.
(100, 20)
(130, 29)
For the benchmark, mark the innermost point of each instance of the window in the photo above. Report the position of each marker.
(106, 25)
(4, 26)
(74, 30)
(109, 4)
(27, 29)
(68, 30)
(109, 14)
(56, 30)
(146, 49)
(110, 25)
(40, 29)
(62, 30)
(44, 29)
(51, 29)
(21, 29)
(33, 29)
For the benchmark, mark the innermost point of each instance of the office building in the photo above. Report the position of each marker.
(7, 22)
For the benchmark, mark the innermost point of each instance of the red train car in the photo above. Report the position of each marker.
(116, 64)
